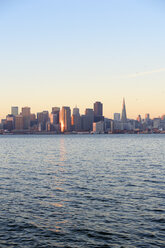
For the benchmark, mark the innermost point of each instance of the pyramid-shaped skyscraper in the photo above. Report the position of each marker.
(123, 114)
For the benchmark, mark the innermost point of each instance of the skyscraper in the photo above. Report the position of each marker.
(26, 111)
(55, 110)
(19, 122)
(98, 109)
(65, 119)
(98, 112)
(55, 115)
(76, 120)
(14, 110)
(124, 115)
(26, 117)
(42, 119)
(76, 111)
(90, 114)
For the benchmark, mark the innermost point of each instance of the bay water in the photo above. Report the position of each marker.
(82, 190)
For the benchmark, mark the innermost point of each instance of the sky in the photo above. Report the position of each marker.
(68, 53)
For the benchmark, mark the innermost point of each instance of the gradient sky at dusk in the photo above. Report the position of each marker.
(55, 53)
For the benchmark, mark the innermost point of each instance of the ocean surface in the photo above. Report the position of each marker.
(82, 191)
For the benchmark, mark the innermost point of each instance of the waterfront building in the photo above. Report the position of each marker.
(98, 127)
(65, 119)
(14, 110)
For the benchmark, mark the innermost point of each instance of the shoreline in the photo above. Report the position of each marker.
(78, 133)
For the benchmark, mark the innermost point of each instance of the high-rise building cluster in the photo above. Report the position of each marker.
(63, 121)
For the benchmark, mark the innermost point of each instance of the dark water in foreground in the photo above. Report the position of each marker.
(82, 191)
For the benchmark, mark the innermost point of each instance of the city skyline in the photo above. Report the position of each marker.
(123, 103)
(69, 53)
(65, 120)
(82, 111)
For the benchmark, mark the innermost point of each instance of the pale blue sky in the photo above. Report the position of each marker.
(55, 53)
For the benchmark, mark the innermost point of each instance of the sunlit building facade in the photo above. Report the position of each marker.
(76, 120)
(65, 119)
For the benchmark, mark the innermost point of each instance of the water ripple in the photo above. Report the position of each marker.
(82, 191)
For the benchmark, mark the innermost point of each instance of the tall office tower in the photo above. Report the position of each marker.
(116, 116)
(54, 122)
(56, 113)
(76, 111)
(45, 116)
(19, 122)
(98, 112)
(42, 119)
(65, 119)
(85, 123)
(98, 109)
(124, 115)
(26, 111)
(14, 111)
(26, 117)
(76, 120)
(55, 109)
(90, 115)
